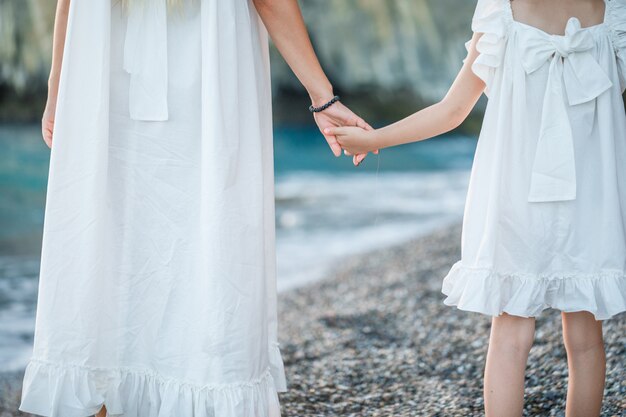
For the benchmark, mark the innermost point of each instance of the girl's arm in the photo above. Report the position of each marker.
(285, 24)
(58, 44)
(439, 118)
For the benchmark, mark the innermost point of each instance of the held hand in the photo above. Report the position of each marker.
(338, 115)
(357, 159)
(354, 140)
(47, 123)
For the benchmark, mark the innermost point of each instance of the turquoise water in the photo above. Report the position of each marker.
(23, 178)
(326, 209)
(304, 149)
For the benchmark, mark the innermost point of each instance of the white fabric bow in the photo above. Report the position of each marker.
(572, 66)
(145, 59)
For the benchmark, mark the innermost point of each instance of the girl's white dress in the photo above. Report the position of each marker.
(545, 220)
(157, 289)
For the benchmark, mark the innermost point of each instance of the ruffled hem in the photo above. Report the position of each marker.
(488, 292)
(277, 368)
(616, 21)
(492, 19)
(69, 390)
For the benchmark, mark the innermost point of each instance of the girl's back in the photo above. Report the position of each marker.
(545, 220)
(545, 223)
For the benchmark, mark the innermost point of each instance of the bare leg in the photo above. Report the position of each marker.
(509, 345)
(586, 361)
(102, 413)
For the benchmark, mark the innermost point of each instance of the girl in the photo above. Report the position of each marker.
(545, 221)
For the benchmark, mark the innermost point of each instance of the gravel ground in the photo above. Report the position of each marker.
(376, 340)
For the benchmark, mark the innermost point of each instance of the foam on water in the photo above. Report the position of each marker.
(324, 218)
(18, 297)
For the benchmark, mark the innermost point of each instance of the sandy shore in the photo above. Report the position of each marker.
(376, 340)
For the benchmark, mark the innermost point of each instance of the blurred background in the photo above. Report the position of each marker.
(386, 59)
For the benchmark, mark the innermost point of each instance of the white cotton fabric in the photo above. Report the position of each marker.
(545, 219)
(157, 289)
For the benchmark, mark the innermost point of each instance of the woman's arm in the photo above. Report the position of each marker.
(285, 24)
(58, 44)
(439, 118)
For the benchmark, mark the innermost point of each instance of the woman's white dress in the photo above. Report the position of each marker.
(545, 220)
(157, 288)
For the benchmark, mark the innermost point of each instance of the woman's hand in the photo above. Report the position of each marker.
(354, 140)
(47, 123)
(58, 44)
(338, 115)
(283, 20)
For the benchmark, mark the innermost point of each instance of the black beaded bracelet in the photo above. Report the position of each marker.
(332, 101)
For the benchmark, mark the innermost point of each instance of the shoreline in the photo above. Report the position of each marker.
(373, 338)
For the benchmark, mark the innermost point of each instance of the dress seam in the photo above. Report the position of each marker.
(545, 277)
(126, 370)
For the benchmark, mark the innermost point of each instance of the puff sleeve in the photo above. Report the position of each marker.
(492, 19)
(616, 21)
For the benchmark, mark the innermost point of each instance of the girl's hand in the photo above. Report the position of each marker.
(354, 140)
(47, 123)
(335, 116)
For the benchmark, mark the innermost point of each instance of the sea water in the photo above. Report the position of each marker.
(326, 210)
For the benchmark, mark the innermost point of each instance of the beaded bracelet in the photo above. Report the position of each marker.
(332, 101)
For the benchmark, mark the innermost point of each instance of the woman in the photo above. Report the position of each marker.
(157, 290)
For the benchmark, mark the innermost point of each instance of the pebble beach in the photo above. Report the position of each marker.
(375, 339)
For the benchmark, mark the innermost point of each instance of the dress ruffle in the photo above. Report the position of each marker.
(69, 390)
(526, 295)
(492, 19)
(616, 21)
(277, 368)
